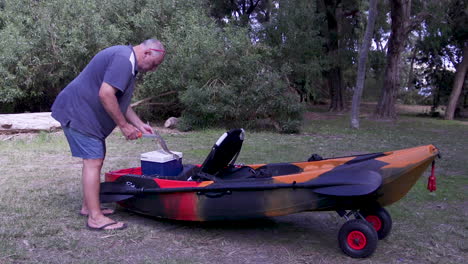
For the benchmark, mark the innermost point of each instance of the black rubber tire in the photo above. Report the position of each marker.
(365, 243)
(385, 226)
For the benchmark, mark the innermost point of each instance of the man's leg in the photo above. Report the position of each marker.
(90, 168)
(91, 181)
(92, 150)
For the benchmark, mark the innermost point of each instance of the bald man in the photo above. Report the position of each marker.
(93, 104)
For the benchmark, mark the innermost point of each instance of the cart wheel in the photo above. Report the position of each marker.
(380, 219)
(357, 238)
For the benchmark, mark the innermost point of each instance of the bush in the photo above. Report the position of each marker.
(219, 78)
(211, 75)
(45, 44)
(414, 97)
(257, 98)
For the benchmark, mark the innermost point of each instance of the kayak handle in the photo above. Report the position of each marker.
(215, 194)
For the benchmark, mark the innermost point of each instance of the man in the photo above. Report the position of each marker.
(93, 104)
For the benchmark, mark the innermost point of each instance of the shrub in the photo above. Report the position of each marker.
(220, 78)
(211, 75)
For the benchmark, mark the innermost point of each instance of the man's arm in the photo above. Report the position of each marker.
(110, 103)
(133, 118)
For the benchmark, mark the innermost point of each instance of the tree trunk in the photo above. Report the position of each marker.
(334, 77)
(462, 68)
(361, 74)
(410, 84)
(335, 86)
(400, 14)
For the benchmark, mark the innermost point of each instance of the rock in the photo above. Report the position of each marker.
(171, 122)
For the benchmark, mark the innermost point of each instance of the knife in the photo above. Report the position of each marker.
(161, 141)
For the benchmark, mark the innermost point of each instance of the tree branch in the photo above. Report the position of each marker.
(351, 13)
(417, 21)
(252, 7)
(146, 100)
(160, 104)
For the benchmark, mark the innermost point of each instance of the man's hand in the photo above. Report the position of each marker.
(133, 118)
(129, 131)
(146, 129)
(125, 123)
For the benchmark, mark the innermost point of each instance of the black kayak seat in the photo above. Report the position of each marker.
(277, 169)
(219, 165)
(224, 152)
(187, 171)
(265, 171)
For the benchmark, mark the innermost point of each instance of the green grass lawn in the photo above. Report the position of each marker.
(40, 196)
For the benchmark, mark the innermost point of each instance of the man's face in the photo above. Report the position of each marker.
(151, 60)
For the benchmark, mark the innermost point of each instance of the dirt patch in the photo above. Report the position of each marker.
(19, 136)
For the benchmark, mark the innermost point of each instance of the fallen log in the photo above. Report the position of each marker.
(27, 122)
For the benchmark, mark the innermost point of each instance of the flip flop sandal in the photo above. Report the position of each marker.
(102, 228)
(102, 209)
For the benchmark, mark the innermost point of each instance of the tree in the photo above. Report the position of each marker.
(402, 25)
(400, 11)
(458, 83)
(361, 75)
(439, 50)
(296, 46)
(337, 13)
(458, 36)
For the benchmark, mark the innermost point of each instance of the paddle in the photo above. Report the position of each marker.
(336, 184)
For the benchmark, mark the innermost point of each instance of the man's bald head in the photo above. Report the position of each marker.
(150, 53)
(153, 44)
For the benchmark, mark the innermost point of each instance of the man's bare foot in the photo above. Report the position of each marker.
(105, 211)
(104, 223)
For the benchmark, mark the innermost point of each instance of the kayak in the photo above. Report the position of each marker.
(358, 186)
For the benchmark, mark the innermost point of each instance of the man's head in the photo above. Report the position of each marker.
(150, 53)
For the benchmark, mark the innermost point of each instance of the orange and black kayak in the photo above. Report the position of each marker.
(359, 186)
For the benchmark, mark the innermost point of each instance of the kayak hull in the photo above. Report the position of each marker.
(345, 183)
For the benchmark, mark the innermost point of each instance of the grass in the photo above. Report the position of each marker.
(40, 198)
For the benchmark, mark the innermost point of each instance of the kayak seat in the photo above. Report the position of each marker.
(277, 169)
(219, 165)
(265, 171)
(187, 171)
(237, 173)
(224, 152)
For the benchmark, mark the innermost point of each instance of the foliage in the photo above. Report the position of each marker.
(298, 46)
(47, 43)
(240, 12)
(275, 48)
(441, 48)
(232, 84)
(44, 44)
(414, 97)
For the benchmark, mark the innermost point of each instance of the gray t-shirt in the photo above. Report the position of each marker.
(79, 106)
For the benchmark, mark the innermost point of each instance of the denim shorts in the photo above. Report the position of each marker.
(84, 146)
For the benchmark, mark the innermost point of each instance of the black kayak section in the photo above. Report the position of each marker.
(335, 184)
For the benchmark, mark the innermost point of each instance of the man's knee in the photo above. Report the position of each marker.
(90, 163)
